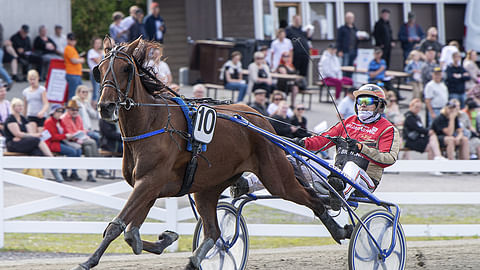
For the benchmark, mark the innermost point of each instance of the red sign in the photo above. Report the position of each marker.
(56, 84)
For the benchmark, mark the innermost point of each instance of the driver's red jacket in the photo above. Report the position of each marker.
(380, 140)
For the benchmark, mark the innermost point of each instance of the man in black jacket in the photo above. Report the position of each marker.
(456, 78)
(300, 45)
(383, 35)
(23, 47)
(347, 41)
(154, 24)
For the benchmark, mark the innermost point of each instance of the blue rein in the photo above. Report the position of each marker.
(143, 136)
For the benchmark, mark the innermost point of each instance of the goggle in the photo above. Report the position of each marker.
(367, 101)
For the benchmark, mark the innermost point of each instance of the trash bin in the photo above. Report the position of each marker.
(208, 57)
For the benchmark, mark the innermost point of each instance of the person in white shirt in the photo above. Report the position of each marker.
(127, 22)
(59, 39)
(159, 67)
(435, 94)
(94, 56)
(330, 69)
(278, 47)
(447, 52)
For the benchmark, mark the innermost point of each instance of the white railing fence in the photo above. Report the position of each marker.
(179, 219)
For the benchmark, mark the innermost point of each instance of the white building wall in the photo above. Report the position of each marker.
(15, 13)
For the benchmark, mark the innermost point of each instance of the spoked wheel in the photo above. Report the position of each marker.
(362, 251)
(220, 256)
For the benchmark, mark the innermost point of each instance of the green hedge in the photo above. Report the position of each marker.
(93, 18)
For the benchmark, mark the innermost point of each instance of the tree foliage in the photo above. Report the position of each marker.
(93, 18)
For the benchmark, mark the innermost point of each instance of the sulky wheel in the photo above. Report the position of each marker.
(220, 256)
(362, 251)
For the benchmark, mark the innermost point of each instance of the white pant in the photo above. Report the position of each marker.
(357, 174)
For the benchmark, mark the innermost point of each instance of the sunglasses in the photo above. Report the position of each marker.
(300, 109)
(74, 110)
(278, 99)
(367, 101)
(60, 110)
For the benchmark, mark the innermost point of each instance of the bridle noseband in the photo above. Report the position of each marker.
(123, 99)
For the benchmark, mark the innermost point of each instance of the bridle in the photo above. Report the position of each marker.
(123, 96)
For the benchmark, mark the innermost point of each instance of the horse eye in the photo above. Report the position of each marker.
(127, 69)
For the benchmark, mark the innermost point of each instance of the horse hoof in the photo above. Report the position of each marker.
(132, 237)
(190, 266)
(168, 236)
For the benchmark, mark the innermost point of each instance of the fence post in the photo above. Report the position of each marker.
(171, 205)
(2, 194)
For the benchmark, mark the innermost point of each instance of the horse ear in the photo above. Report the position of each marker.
(107, 44)
(133, 45)
(139, 50)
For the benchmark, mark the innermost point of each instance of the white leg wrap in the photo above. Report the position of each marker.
(359, 176)
(254, 183)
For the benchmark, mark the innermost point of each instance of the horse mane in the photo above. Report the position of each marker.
(141, 54)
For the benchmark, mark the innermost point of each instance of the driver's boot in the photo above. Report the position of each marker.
(338, 233)
(339, 186)
(239, 188)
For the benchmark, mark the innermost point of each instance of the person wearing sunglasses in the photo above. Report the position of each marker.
(372, 143)
(58, 140)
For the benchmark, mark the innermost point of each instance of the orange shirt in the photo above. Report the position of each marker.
(71, 68)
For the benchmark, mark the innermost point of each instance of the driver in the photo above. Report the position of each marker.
(371, 145)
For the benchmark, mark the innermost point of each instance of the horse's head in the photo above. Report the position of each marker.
(116, 75)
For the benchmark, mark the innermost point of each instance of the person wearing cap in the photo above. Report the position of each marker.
(376, 72)
(138, 27)
(410, 34)
(73, 65)
(331, 72)
(154, 24)
(23, 48)
(435, 95)
(259, 101)
(18, 139)
(74, 125)
(280, 45)
(431, 41)
(450, 132)
(59, 39)
(429, 64)
(468, 118)
(383, 35)
(371, 145)
(59, 140)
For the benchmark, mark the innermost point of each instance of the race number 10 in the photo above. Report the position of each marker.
(204, 125)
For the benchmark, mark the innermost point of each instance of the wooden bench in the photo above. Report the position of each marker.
(322, 86)
(310, 94)
(215, 88)
(12, 154)
(404, 87)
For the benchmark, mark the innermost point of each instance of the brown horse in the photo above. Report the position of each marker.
(155, 166)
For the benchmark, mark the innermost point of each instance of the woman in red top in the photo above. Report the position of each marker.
(59, 142)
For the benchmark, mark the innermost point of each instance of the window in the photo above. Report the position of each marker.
(322, 17)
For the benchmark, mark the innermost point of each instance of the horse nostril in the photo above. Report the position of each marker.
(107, 106)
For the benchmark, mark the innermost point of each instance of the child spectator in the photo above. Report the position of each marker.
(299, 121)
(414, 67)
(449, 132)
(18, 139)
(232, 75)
(73, 65)
(456, 78)
(94, 56)
(331, 71)
(35, 97)
(57, 141)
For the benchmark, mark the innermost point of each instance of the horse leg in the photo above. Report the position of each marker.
(279, 179)
(206, 202)
(132, 236)
(140, 198)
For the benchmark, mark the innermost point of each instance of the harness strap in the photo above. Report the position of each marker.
(143, 136)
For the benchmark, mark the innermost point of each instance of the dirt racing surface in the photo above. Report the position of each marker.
(451, 254)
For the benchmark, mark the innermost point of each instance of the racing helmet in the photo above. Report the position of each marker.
(371, 90)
